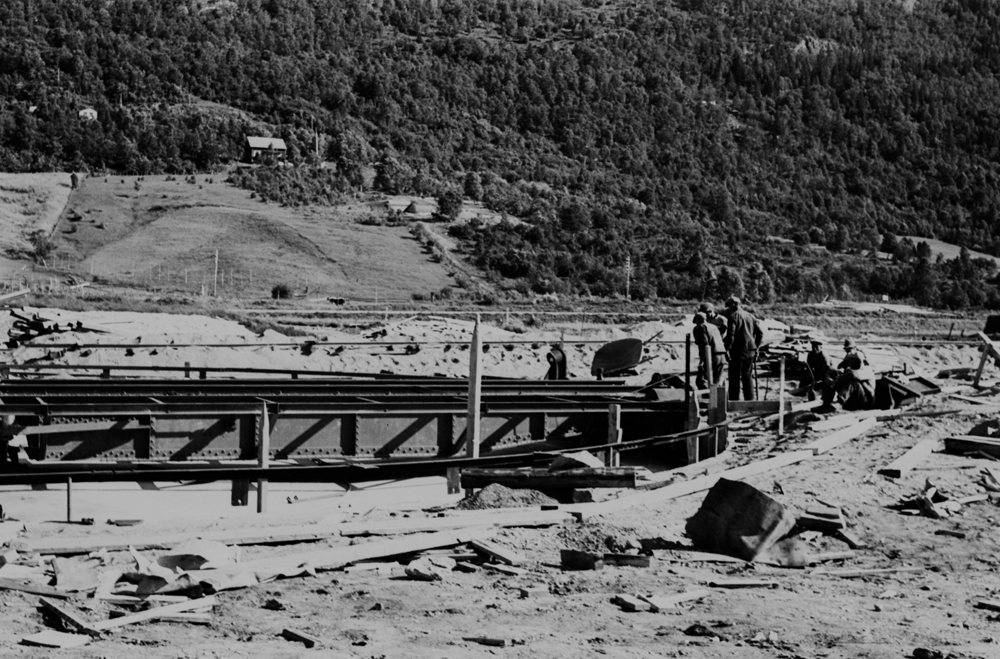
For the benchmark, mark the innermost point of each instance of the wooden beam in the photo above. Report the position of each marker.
(33, 589)
(613, 459)
(472, 423)
(157, 612)
(906, 462)
(70, 618)
(962, 444)
(263, 458)
(659, 603)
(542, 479)
(404, 526)
(852, 574)
(841, 436)
(758, 406)
(495, 551)
(781, 396)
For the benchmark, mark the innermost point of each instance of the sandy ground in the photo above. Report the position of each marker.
(387, 615)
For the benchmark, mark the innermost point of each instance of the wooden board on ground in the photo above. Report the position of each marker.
(70, 618)
(906, 462)
(157, 612)
(33, 589)
(663, 602)
(51, 638)
(497, 552)
(398, 527)
(543, 479)
(962, 444)
(841, 436)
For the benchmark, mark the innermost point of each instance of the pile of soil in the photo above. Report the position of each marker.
(499, 496)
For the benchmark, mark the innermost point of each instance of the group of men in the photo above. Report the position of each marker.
(735, 339)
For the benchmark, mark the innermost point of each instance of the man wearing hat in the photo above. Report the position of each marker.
(855, 384)
(819, 373)
(743, 338)
(712, 317)
(711, 352)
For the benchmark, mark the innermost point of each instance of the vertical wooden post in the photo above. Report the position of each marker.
(472, 425)
(612, 458)
(263, 459)
(215, 285)
(69, 498)
(781, 396)
(187, 369)
(687, 369)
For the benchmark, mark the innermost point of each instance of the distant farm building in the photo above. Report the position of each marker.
(256, 146)
(88, 114)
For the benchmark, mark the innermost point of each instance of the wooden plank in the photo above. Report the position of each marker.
(69, 617)
(263, 458)
(664, 602)
(851, 574)
(970, 399)
(50, 638)
(850, 539)
(685, 488)
(157, 612)
(906, 462)
(297, 636)
(742, 583)
(630, 603)
(497, 552)
(758, 406)
(509, 570)
(543, 479)
(962, 444)
(245, 536)
(829, 556)
(626, 560)
(33, 589)
(492, 642)
(424, 525)
(474, 412)
(841, 436)
(695, 557)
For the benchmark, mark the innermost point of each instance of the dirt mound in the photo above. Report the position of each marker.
(498, 496)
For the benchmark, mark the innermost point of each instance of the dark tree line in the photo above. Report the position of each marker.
(678, 136)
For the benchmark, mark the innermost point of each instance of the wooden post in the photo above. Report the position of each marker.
(781, 396)
(215, 285)
(187, 369)
(612, 457)
(687, 369)
(69, 498)
(263, 459)
(454, 476)
(472, 425)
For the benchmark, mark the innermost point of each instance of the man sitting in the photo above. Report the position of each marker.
(854, 387)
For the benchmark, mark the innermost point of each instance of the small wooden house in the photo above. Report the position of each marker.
(256, 146)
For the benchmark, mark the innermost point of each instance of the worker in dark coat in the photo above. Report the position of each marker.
(854, 386)
(819, 374)
(716, 319)
(711, 352)
(743, 339)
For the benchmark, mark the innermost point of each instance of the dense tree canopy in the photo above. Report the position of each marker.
(638, 129)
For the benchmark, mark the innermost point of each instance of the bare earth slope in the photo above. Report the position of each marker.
(164, 233)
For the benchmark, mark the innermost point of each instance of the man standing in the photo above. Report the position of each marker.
(711, 352)
(743, 338)
(716, 319)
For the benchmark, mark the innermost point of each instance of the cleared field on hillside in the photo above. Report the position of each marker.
(948, 250)
(28, 202)
(163, 233)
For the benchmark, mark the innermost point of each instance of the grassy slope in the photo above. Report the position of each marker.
(168, 230)
(28, 202)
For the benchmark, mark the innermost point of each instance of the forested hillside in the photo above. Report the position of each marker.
(677, 136)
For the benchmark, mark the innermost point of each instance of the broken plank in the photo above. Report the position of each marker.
(663, 602)
(493, 642)
(630, 603)
(157, 612)
(70, 618)
(743, 583)
(33, 589)
(961, 444)
(841, 436)
(497, 552)
(626, 560)
(828, 556)
(308, 640)
(543, 479)
(695, 557)
(822, 524)
(509, 570)
(906, 462)
(970, 399)
(50, 638)
(190, 618)
(973, 498)
(849, 539)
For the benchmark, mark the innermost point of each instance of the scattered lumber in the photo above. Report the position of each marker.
(962, 444)
(970, 399)
(493, 642)
(830, 556)
(336, 557)
(659, 603)
(841, 436)
(308, 640)
(906, 462)
(33, 589)
(574, 559)
(990, 605)
(699, 484)
(157, 612)
(190, 618)
(696, 557)
(543, 479)
(821, 523)
(496, 552)
(973, 498)
(849, 539)
(509, 570)
(630, 603)
(69, 618)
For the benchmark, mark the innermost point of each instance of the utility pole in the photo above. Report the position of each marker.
(215, 285)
